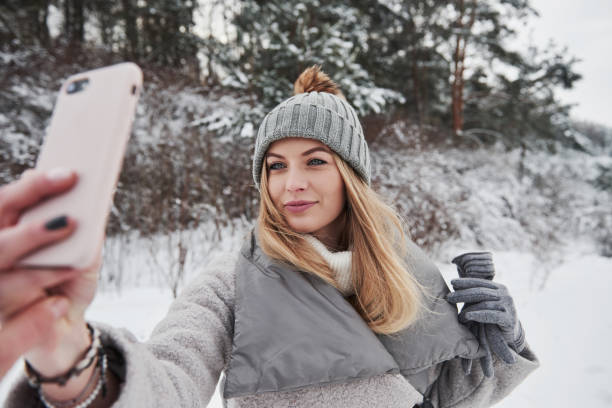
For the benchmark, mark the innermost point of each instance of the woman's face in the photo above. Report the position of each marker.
(306, 187)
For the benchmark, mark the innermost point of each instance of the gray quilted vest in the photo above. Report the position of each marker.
(293, 330)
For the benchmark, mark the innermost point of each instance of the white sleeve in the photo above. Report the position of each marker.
(451, 387)
(180, 364)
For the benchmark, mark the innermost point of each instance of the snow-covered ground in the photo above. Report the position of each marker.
(568, 325)
(564, 312)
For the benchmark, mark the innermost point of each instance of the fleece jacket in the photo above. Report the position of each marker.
(197, 343)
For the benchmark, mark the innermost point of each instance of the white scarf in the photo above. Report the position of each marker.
(339, 262)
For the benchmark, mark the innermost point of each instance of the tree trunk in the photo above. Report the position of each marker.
(37, 21)
(74, 21)
(457, 86)
(416, 84)
(79, 21)
(131, 31)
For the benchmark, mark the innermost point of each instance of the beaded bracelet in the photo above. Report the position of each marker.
(94, 350)
(101, 385)
(36, 379)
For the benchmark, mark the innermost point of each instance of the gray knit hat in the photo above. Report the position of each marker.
(315, 115)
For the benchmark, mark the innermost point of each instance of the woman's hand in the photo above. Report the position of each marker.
(41, 310)
(490, 305)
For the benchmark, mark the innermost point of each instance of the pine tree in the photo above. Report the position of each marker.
(277, 40)
(24, 23)
(479, 34)
(402, 52)
(523, 108)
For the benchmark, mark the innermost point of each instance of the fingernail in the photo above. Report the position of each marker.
(59, 174)
(57, 223)
(59, 307)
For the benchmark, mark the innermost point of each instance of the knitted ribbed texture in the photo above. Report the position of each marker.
(339, 262)
(315, 115)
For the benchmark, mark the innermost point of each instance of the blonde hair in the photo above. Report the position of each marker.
(386, 295)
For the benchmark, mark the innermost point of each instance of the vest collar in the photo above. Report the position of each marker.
(293, 330)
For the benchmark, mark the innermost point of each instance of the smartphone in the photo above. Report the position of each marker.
(88, 133)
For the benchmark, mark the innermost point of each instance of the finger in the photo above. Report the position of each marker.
(488, 261)
(480, 266)
(480, 306)
(472, 295)
(498, 345)
(28, 329)
(470, 256)
(486, 362)
(16, 242)
(488, 269)
(471, 274)
(472, 327)
(466, 364)
(32, 187)
(483, 265)
(20, 288)
(491, 317)
(465, 283)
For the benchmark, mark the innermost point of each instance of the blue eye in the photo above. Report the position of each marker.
(316, 162)
(281, 165)
(276, 166)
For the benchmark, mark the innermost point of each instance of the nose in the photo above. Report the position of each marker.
(296, 180)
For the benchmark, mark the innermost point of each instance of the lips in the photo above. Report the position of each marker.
(299, 202)
(299, 206)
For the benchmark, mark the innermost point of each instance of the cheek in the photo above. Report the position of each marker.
(340, 199)
(335, 191)
(275, 189)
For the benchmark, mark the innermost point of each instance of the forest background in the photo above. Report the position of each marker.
(469, 140)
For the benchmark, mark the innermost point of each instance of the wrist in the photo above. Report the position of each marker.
(72, 383)
(72, 340)
(79, 390)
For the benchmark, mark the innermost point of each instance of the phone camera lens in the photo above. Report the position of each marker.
(77, 86)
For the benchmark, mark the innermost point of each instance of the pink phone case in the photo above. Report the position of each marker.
(88, 133)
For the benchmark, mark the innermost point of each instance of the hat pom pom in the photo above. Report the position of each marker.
(313, 79)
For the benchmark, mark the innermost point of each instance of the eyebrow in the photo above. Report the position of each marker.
(306, 153)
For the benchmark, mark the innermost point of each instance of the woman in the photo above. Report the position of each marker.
(325, 305)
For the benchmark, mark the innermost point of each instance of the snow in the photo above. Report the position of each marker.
(477, 198)
(563, 313)
(248, 130)
(563, 310)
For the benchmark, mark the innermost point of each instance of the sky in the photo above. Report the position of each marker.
(585, 27)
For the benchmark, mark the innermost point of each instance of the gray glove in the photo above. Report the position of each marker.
(488, 312)
(477, 265)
